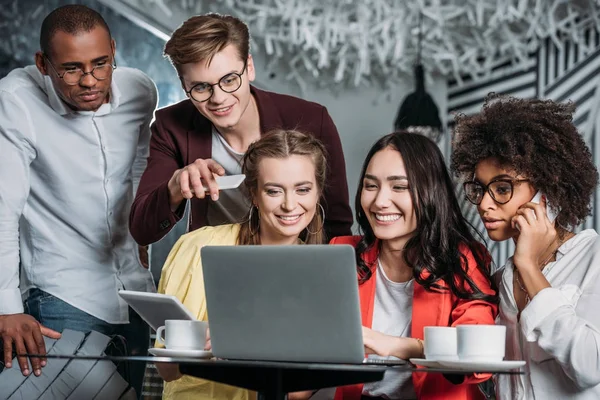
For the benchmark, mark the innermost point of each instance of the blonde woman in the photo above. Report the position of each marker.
(285, 173)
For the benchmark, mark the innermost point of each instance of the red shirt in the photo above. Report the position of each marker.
(429, 309)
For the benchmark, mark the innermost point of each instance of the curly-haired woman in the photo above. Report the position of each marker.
(550, 288)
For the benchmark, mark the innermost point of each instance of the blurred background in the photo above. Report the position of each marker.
(358, 58)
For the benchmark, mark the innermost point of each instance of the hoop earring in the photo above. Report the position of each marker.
(322, 221)
(250, 219)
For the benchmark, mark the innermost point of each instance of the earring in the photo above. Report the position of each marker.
(250, 219)
(322, 221)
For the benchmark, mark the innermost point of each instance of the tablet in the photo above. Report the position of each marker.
(156, 308)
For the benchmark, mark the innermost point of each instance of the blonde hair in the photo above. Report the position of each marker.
(202, 36)
(282, 144)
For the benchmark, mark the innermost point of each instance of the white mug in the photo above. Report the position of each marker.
(182, 334)
(481, 342)
(440, 343)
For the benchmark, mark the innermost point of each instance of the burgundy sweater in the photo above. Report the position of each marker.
(180, 135)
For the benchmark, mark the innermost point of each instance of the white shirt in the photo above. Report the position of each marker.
(392, 315)
(233, 204)
(67, 181)
(559, 330)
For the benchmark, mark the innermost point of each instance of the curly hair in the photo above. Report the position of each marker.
(534, 138)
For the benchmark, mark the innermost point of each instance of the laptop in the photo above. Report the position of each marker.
(284, 303)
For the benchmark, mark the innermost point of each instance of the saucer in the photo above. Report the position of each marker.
(426, 363)
(482, 365)
(180, 353)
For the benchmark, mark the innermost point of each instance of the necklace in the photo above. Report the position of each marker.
(522, 287)
(552, 254)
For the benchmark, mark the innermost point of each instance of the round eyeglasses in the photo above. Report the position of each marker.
(72, 77)
(500, 190)
(229, 83)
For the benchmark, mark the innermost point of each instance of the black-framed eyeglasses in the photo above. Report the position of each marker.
(73, 76)
(501, 190)
(229, 83)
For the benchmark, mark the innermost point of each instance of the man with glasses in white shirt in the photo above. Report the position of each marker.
(74, 134)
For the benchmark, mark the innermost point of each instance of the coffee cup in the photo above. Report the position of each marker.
(182, 334)
(481, 342)
(440, 343)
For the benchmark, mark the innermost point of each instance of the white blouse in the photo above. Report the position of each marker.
(67, 181)
(392, 315)
(559, 330)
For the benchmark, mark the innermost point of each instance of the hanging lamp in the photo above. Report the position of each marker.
(418, 112)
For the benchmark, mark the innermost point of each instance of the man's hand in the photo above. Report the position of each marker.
(24, 333)
(187, 182)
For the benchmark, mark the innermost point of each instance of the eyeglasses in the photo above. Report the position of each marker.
(231, 82)
(500, 190)
(73, 76)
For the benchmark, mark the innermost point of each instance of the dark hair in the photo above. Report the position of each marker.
(441, 228)
(202, 36)
(71, 19)
(534, 138)
(283, 144)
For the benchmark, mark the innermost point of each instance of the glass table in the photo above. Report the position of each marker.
(273, 380)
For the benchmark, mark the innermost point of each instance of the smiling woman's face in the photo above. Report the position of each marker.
(286, 198)
(385, 198)
(497, 217)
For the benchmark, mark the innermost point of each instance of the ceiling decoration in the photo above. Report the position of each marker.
(350, 43)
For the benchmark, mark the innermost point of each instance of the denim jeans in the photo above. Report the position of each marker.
(56, 314)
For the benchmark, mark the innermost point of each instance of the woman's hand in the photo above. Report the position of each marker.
(208, 344)
(304, 395)
(535, 244)
(168, 371)
(386, 345)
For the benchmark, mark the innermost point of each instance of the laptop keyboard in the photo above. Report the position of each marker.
(384, 361)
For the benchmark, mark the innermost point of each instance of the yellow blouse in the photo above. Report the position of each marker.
(182, 277)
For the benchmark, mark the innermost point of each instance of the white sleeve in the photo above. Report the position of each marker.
(143, 146)
(17, 153)
(565, 322)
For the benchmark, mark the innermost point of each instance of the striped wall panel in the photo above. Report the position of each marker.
(578, 83)
(563, 71)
